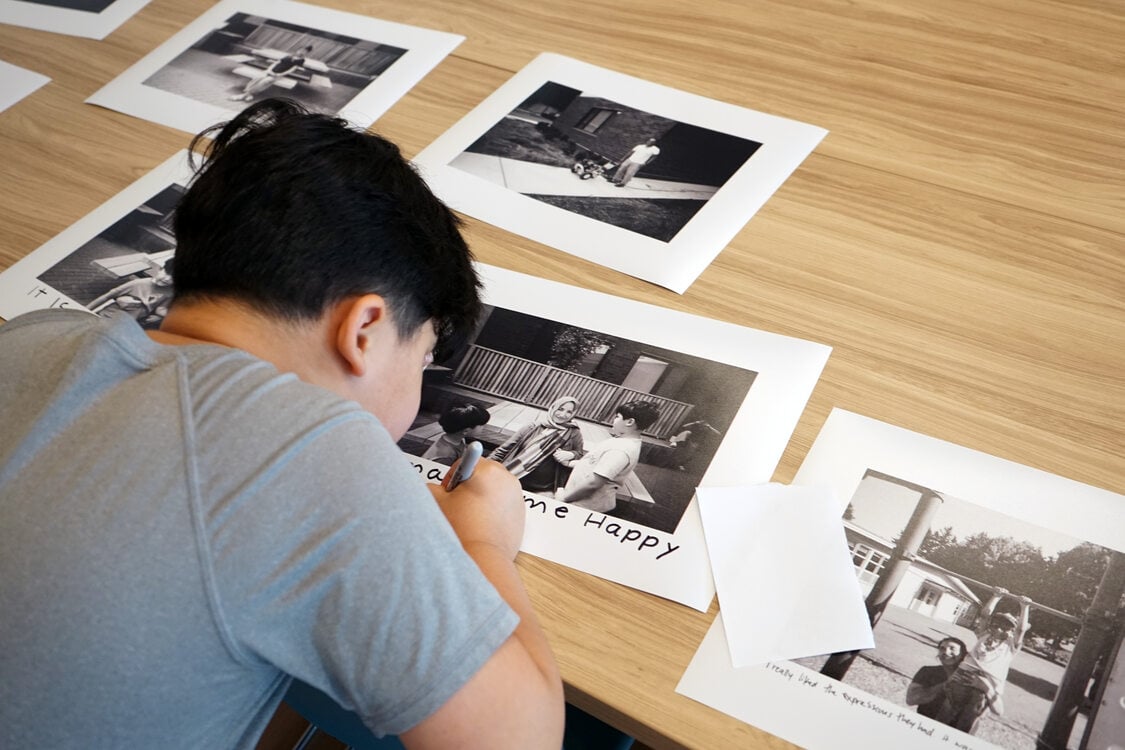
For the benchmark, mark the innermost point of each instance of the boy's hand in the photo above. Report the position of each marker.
(487, 508)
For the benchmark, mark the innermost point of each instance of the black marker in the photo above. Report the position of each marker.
(464, 469)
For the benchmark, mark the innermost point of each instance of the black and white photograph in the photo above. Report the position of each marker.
(242, 51)
(118, 259)
(541, 396)
(980, 619)
(607, 161)
(992, 628)
(127, 268)
(639, 177)
(94, 19)
(253, 57)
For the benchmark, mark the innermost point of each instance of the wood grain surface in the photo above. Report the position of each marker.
(958, 238)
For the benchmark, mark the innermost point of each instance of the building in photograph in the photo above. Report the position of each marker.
(688, 154)
(926, 588)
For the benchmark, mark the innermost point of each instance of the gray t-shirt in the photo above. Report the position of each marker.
(184, 528)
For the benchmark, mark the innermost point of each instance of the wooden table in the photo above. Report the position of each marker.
(958, 238)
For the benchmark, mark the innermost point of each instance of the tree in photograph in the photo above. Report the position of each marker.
(572, 344)
(935, 545)
(1069, 585)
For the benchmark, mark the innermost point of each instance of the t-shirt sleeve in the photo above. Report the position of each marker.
(335, 565)
(611, 464)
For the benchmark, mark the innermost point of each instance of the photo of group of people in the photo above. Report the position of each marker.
(981, 621)
(586, 418)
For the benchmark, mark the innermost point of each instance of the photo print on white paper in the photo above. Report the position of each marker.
(943, 539)
(624, 172)
(116, 259)
(725, 400)
(242, 51)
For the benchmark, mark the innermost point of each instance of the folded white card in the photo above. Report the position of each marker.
(786, 584)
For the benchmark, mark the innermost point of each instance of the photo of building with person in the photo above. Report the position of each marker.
(983, 623)
(605, 160)
(554, 395)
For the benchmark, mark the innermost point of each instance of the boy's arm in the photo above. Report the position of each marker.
(1025, 621)
(516, 698)
(918, 693)
(998, 594)
(586, 488)
(612, 463)
(500, 452)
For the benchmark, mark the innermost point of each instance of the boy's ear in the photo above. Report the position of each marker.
(357, 319)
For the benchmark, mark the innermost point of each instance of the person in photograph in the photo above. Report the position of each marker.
(193, 518)
(456, 422)
(145, 299)
(694, 444)
(978, 682)
(927, 688)
(276, 70)
(540, 454)
(594, 482)
(639, 155)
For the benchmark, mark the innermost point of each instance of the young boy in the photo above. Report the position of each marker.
(456, 422)
(927, 688)
(191, 518)
(593, 483)
(977, 684)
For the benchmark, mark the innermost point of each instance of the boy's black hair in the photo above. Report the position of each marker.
(292, 211)
(643, 413)
(951, 639)
(461, 416)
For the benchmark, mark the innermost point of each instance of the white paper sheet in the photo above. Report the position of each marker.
(16, 83)
(596, 221)
(814, 606)
(981, 494)
(87, 18)
(752, 385)
(188, 81)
